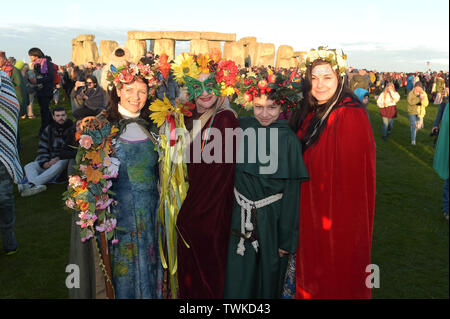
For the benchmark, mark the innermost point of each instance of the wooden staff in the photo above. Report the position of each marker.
(107, 266)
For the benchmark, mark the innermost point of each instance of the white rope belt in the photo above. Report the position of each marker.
(247, 207)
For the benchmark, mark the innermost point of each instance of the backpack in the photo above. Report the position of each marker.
(57, 76)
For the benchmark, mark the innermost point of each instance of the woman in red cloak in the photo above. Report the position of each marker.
(337, 203)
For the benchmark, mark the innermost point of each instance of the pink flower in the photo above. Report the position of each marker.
(129, 78)
(103, 204)
(70, 203)
(86, 141)
(107, 161)
(108, 186)
(83, 168)
(115, 241)
(75, 181)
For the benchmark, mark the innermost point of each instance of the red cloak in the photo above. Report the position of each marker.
(204, 221)
(337, 207)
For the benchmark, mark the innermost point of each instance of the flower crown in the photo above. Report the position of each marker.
(225, 72)
(337, 60)
(152, 73)
(285, 91)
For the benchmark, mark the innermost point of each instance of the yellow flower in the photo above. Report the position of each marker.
(184, 65)
(160, 109)
(202, 62)
(227, 91)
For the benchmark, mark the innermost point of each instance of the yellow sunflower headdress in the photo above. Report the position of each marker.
(223, 74)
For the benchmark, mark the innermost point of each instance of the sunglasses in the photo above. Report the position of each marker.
(89, 82)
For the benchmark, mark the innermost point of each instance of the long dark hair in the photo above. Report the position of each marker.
(112, 112)
(310, 104)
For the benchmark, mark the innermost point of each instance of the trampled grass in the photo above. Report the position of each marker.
(410, 241)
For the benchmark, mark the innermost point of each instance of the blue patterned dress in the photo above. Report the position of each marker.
(135, 261)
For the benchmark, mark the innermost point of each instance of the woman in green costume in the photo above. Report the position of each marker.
(264, 226)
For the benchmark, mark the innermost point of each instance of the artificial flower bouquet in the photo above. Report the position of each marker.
(89, 187)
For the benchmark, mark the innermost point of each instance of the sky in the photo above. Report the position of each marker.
(382, 35)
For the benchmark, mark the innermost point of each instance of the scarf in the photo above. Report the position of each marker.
(43, 63)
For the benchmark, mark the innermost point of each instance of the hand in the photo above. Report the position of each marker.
(53, 161)
(282, 252)
(434, 129)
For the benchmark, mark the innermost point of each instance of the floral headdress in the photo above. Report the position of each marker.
(337, 60)
(223, 74)
(285, 91)
(152, 73)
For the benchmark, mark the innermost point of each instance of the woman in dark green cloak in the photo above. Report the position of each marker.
(268, 174)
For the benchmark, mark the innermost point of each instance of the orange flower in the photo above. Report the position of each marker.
(93, 175)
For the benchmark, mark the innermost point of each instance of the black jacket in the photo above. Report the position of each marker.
(53, 140)
(44, 80)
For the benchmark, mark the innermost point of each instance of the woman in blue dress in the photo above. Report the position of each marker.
(135, 261)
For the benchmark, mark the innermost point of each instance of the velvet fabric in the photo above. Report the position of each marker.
(205, 217)
(337, 207)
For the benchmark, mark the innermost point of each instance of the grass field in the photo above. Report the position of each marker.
(410, 241)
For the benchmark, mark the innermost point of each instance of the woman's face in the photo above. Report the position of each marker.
(324, 83)
(265, 110)
(133, 96)
(206, 100)
(90, 84)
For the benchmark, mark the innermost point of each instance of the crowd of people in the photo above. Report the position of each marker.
(303, 230)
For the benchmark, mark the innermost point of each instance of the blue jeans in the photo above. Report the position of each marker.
(445, 196)
(413, 119)
(7, 215)
(388, 124)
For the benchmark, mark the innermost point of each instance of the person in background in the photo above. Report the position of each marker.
(45, 75)
(417, 102)
(48, 165)
(363, 97)
(360, 80)
(17, 80)
(409, 83)
(31, 89)
(10, 168)
(91, 100)
(387, 102)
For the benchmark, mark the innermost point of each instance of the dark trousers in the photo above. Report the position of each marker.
(46, 117)
(7, 213)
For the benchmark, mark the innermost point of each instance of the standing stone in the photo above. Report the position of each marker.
(90, 52)
(166, 46)
(234, 51)
(250, 48)
(85, 37)
(285, 57)
(214, 46)
(265, 54)
(216, 36)
(199, 47)
(180, 35)
(77, 52)
(300, 55)
(106, 49)
(137, 48)
(144, 35)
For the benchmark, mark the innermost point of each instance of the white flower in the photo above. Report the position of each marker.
(113, 169)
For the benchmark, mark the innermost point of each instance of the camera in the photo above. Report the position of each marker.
(434, 133)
